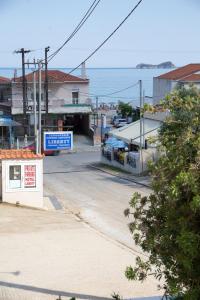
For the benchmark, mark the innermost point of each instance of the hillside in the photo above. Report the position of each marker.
(164, 65)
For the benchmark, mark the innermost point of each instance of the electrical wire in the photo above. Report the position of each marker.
(104, 96)
(78, 27)
(131, 86)
(112, 33)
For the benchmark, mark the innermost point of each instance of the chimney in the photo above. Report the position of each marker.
(83, 71)
(15, 74)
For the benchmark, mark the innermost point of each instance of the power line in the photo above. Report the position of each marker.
(124, 20)
(101, 96)
(78, 27)
(119, 91)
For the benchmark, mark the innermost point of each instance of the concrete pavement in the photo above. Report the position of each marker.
(97, 197)
(46, 254)
(79, 247)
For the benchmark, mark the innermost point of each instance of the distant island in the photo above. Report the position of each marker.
(164, 65)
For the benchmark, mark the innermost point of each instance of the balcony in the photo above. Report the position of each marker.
(55, 106)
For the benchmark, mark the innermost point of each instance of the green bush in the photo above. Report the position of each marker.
(166, 224)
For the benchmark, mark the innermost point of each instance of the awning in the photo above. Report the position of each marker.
(131, 133)
(119, 144)
(8, 122)
(112, 142)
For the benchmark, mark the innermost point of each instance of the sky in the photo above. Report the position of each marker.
(158, 31)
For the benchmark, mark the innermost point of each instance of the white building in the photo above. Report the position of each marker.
(184, 76)
(21, 177)
(69, 106)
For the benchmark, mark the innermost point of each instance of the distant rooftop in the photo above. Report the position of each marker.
(190, 72)
(4, 80)
(53, 76)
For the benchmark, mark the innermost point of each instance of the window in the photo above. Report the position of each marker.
(15, 177)
(75, 96)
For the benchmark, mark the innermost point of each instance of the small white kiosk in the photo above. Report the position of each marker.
(21, 177)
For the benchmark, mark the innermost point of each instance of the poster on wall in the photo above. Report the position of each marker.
(29, 176)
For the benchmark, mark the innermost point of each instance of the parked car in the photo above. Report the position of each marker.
(115, 118)
(121, 123)
(46, 152)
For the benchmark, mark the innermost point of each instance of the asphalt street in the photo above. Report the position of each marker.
(96, 197)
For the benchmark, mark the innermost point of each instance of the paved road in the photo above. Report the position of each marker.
(45, 254)
(97, 197)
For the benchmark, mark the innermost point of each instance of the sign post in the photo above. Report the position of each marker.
(58, 140)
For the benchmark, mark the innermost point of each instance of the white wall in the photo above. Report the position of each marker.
(161, 87)
(64, 91)
(187, 85)
(59, 94)
(25, 196)
(141, 163)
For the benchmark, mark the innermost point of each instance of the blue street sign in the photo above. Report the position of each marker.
(58, 140)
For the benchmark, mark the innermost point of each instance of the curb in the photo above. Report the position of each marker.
(128, 178)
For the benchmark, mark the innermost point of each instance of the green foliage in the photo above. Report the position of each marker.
(136, 114)
(166, 224)
(116, 296)
(125, 109)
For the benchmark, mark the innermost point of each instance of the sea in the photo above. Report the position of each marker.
(111, 85)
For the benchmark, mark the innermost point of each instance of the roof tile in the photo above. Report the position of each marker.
(192, 78)
(181, 72)
(53, 76)
(19, 154)
(4, 80)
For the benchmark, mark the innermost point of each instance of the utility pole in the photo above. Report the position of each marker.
(143, 121)
(101, 128)
(141, 129)
(22, 51)
(35, 113)
(46, 83)
(97, 108)
(39, 108)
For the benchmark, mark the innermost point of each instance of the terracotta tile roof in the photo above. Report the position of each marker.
(192, 78)
(181, 72)
(54, 76)
(19, 154)
(4, 80)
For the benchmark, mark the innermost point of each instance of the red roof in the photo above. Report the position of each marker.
(192, 78)
(181, 72)
(19, 154)
(4, 80)
(54, 76)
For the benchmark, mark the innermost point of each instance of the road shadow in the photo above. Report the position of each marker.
(55, 293)
(58, 293)
(121, 181)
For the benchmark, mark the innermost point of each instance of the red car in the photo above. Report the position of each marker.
(46, 152)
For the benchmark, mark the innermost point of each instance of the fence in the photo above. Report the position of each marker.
(122, 160)
(119, 157)
(107, 154)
